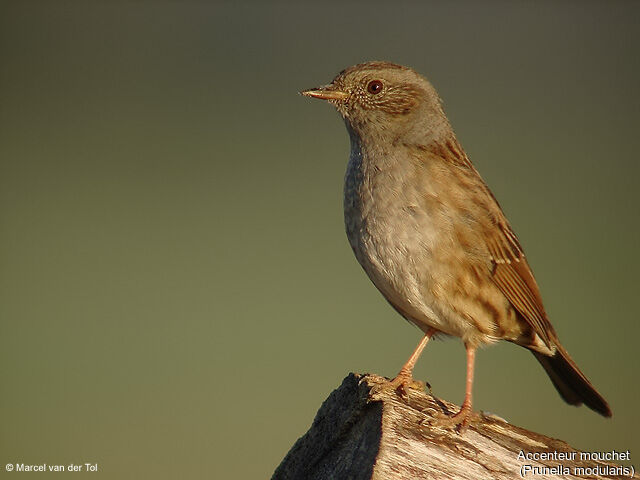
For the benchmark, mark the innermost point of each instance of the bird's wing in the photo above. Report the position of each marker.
(510, 272)
(514, 278)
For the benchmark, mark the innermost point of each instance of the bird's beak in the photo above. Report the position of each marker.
(327, 92)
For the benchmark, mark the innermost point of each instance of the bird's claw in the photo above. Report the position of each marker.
(458, 422)
(403, 383)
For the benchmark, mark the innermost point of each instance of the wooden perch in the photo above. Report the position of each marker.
(365, 431)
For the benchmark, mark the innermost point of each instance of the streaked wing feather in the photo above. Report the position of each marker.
(513, 276)
(511, 272)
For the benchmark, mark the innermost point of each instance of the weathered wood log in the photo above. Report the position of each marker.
(366, 431)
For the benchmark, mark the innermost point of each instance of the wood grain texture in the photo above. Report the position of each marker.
(365, 431)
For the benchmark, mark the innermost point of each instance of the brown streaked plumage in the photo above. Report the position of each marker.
(431, 235)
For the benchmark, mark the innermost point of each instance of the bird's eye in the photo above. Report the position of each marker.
(374, 87)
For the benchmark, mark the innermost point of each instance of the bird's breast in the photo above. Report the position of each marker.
(390, 230)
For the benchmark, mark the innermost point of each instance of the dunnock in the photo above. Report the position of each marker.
(431, 235)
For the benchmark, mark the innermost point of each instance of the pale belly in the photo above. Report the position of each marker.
(395, 271)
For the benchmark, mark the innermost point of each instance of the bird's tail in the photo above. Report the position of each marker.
(571, 383)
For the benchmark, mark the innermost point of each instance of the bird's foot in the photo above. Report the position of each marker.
(401, 385)
(458, 422)
(404, 382)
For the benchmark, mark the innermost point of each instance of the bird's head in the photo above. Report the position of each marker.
(386, 101)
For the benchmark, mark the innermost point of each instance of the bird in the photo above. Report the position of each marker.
(431, 235)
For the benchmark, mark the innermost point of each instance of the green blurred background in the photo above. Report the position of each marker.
(177, 295)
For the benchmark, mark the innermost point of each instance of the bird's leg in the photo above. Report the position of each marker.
(461, 418)
(404, 379)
